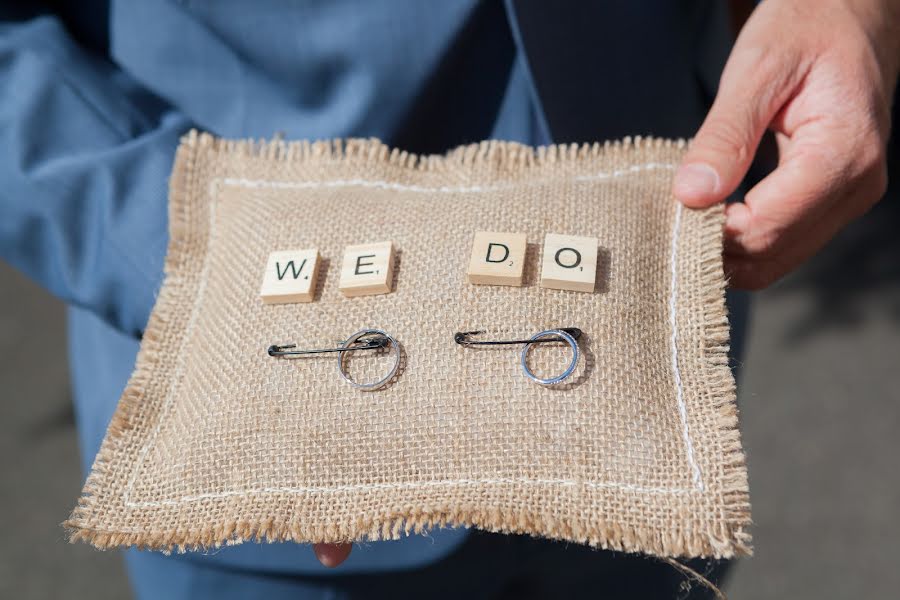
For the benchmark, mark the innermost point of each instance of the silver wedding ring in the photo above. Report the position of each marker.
(352, 340)
(565, 336)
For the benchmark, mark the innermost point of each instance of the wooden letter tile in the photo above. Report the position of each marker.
(290, 276)
(497, 258)
(569, 262)
(368, 269)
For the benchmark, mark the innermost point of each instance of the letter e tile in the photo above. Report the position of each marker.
(368, 269)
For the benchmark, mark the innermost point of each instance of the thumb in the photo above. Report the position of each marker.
(750, 95)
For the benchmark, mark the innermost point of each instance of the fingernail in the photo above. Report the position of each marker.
(695, 181)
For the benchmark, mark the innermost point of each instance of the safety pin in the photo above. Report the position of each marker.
(462, 338)
(365, 339)
(568, 335)
(372, 343)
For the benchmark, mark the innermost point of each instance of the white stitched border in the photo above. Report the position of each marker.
(400, 187)
(259, 183)
(412, 486)
(679, 388)
(179, 365)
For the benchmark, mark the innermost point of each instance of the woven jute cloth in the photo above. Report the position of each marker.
(215, 442)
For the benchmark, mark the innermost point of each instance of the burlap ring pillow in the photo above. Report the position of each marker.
(215, 441)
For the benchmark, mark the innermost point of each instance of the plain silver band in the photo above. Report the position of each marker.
(569, 370)
(380, 382)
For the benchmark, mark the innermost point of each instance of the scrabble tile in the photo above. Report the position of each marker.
(367, 269)
(497, 258)
(290, 276)
(569, 262)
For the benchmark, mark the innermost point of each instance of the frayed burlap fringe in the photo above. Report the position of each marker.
(496, 153)
(104, 520)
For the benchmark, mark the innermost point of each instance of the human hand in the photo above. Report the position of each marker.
(820, 74)
(332, 555)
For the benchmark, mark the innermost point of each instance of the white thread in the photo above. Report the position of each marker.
(179, 366)
(410, 485)
(399, 187)
(256, 183)
(679, 390)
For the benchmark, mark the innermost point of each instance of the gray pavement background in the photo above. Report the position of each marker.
(820, 412)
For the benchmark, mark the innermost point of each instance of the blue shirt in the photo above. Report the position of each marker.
(94, 99)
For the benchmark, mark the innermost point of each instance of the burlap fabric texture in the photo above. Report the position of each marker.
(216, 442)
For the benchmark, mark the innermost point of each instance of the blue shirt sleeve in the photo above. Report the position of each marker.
(85, 155)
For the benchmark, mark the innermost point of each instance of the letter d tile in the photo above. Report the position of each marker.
(497, 258)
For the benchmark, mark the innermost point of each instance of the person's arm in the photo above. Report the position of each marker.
(86, 155)
(821, 75)
(84, 179)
